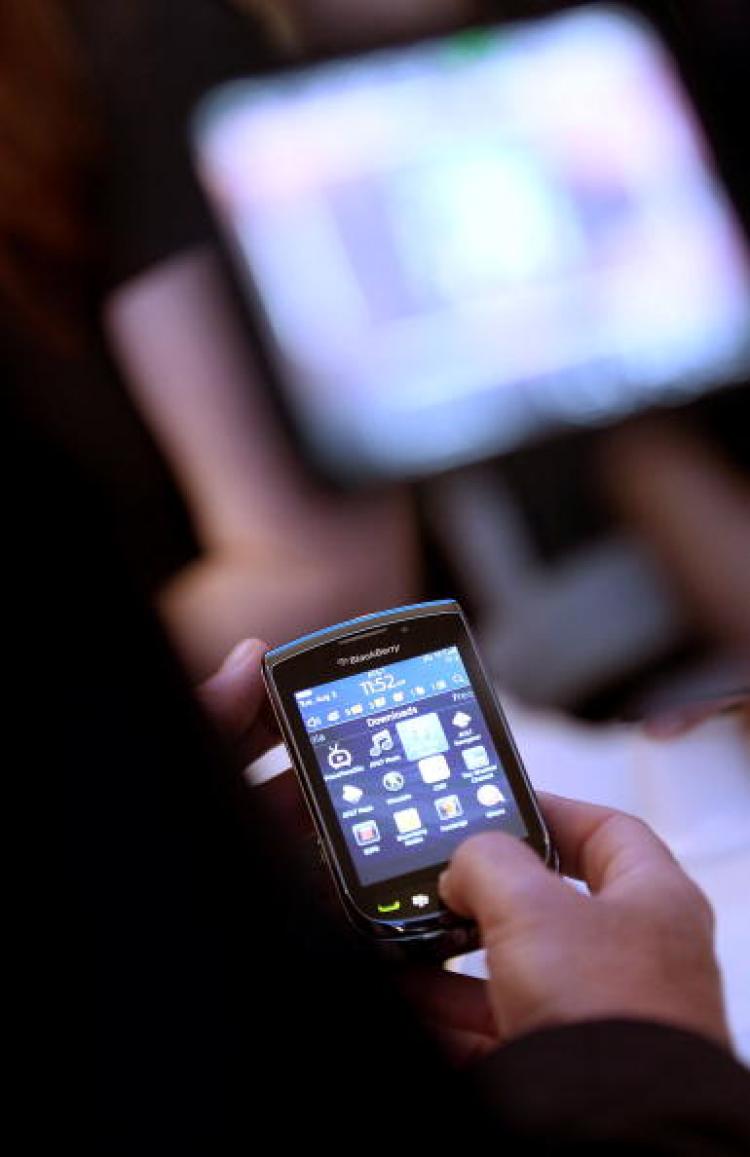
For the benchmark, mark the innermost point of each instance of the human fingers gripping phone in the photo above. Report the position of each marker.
(638, 945)
(402, 752)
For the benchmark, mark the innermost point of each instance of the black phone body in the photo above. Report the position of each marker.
(402, 751)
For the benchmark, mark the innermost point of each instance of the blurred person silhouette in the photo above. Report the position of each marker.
(276, 554)
(269, 538)
(188, 993)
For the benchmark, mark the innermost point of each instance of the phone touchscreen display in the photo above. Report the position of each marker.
(408, 761)
(457, 245)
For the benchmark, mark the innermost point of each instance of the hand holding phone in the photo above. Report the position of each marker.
(639, 947)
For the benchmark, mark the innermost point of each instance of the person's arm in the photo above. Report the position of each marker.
(692, 509)
(280, 556)
(609, 1003)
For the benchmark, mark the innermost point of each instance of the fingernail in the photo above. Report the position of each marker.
(239, 655)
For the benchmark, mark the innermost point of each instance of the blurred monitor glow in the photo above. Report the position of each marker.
(456, 246)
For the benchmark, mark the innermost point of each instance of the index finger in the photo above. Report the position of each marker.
(602, 846)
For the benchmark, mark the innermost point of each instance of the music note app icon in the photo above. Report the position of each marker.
(381, 741)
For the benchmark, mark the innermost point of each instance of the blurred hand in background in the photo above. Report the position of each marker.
(692, 510)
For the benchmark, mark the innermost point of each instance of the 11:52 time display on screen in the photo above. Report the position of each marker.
(378, 683)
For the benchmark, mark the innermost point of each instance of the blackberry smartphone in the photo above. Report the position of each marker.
(402, 751)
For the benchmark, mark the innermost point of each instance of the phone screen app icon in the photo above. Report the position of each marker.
(339, 758)
(408, 820)
(422, 736)
(434, 769)
(476, 758)
(381, 741)
(448, 807)
(366, 833)
(489, 795)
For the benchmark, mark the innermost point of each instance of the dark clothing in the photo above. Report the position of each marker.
(80, 403)
(620, 1087)
(203, 1000)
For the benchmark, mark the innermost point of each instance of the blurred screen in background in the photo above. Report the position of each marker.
(458, 246)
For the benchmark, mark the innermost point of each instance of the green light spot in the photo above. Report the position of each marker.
(394, 907)
(474, 42)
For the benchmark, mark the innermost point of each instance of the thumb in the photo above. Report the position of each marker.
(493, 878)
